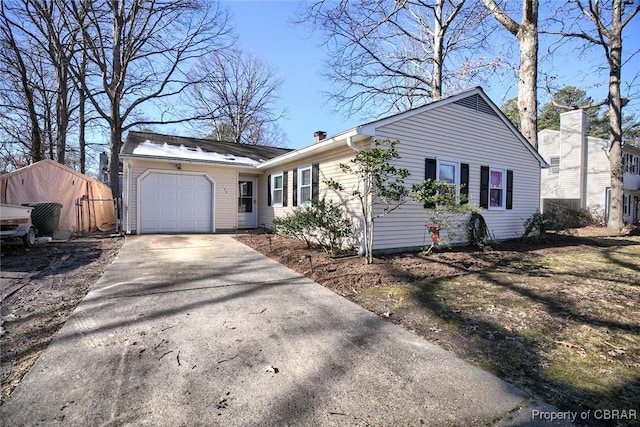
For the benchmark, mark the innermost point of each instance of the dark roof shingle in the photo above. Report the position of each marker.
(254, 152)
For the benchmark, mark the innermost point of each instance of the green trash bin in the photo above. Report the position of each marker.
(45, 216)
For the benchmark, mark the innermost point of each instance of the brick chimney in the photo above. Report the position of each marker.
(318, 136)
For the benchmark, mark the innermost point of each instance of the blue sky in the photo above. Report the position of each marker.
(265, 27)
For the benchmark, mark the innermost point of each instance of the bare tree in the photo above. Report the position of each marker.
(46, 28)
(19, 76)
(237, 94)
(46, 45)
(389, 56)
(527, 34)
(601, 24)
(140, 49)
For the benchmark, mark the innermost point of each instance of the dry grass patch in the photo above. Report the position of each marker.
(560, 319)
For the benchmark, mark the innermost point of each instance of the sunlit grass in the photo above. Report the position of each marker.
(565, 326)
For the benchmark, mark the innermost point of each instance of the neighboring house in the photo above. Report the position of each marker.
(580, 173)
(464, 139)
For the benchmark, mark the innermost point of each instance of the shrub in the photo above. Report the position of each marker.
(478, 233)
(560, 217)
(322, 222)
(535, 226)
(295, 224)
(593, 215)
(446, 209)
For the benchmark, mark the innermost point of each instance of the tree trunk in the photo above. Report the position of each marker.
(82, 143)
(62, 110)
(527, 34)
(438, 41)
(115, 96)
(36, 152)
(528, 81)
(82, 120)
(114, 156)
(616, 221)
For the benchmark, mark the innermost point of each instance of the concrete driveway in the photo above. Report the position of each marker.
(202, 330)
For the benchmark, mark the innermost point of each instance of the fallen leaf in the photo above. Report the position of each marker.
(272, 369)
(570, 345)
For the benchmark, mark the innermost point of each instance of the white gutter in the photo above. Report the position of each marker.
(310, 149)
(130, 157)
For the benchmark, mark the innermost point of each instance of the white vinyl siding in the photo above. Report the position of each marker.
(598, 172)
(456, 132)
(329, 168)
(593, 161)
(631, 177)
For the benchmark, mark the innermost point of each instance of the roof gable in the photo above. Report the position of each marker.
(474, 99)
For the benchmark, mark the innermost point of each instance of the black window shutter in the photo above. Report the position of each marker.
(269, 190)
(430, 169)
(464, 182)
(429, 173)
(295, 187)
(315, 181)
(285, 187)
(484, 187)
(509, 189)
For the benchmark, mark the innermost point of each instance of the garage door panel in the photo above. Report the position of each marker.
(174, 203)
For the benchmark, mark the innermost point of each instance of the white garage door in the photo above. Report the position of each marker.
(175, 203)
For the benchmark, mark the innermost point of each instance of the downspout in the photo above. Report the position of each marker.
(128, 211)
(584, 161)
(362, 249)
(353, 146)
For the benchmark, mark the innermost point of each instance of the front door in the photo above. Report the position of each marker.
(247, 203)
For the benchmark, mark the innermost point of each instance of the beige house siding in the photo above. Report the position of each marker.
(225, 190)
(329, 168)
(458, 133)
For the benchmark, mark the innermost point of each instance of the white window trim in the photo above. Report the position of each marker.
(310, 186)
(274, 189)
(456, 174)
(503, 202)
